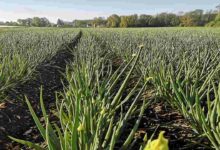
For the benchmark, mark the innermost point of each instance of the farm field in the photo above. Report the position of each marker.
(89, 89)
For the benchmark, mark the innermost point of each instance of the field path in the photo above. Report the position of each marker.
(15, 117)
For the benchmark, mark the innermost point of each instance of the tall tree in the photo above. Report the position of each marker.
(216, 22)
(60, 22)
(186, 21)
(167, 20)
(124, 22)
(36, 22)
(22, 22)
(196, 16)
(145, 20)
(45, 22)
(129, 21)
(29, 21)
(113, 21)
(99, 22)
(133, 20)
(208, 17)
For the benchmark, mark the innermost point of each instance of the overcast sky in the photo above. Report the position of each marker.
(69, 10)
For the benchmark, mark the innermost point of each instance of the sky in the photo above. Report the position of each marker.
(69, 10)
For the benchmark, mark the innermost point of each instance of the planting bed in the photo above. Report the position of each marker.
(110, 88)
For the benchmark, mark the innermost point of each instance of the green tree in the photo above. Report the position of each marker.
(29, 21)
(113, 21)
(208, 17)
(36, 22)
(196, 17)
(217, 18)
(145, 20)
(216, 22)
(99, 22)
(45, 22)
(124, 22)
(167, 20)
(60, 23)
(22, 22)
(174, 20)
(129, 21)
(186, 21)
(11, 23)
(133, 20)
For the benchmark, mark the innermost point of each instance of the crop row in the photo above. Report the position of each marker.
(109, 74)
(184, 65)
(21, 51)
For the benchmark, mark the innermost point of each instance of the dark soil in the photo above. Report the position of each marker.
(161, 117)
(15, 117)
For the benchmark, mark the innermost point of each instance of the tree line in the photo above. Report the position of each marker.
(35, 22)
(193, 18)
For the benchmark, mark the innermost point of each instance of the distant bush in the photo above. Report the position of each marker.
(215, 23)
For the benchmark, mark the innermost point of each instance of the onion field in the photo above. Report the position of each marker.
(106, 89)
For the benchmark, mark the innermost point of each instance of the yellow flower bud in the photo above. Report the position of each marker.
(93, 101)
(80, 128)
(145, 138)
(68, 93)
(103, 111)
(148, 79)
(134, 55)
(159, 144)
